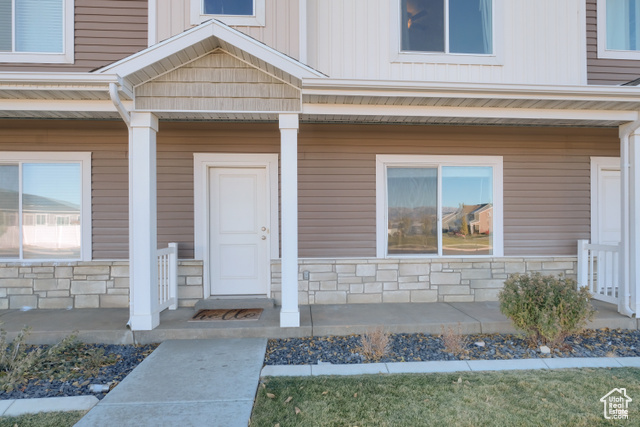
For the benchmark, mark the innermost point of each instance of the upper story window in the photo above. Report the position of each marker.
(231, 12)
(447, 31)
(228, 7)
(619, 29)
(45, 206)
(36, 31)
(448, 26)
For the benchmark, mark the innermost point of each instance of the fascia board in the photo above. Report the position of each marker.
(467, 112)
(58, 78)
(200, 33)
(265, 53)
(60, 105)
(463, 90)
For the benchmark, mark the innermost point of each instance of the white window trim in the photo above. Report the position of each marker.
(202, 162)
(496, 58)
(84, 159)
(256, 20)
(384, 161)
(66, 57)
(601, 24)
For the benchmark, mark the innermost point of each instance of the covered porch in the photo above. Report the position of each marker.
(108, 325)
(173, 82)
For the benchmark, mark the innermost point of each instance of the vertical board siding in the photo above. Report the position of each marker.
(281, 30)
(546, 177)
(605, 71)
(107, 142)
(105, 31)
(542, 43)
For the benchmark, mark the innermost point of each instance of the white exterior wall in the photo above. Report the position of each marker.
(281, 30)
(539, 42)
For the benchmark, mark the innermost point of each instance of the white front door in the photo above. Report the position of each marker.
(238, 231)
(606, 203)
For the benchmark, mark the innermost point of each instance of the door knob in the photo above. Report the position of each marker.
(264, 229)
(263, 237)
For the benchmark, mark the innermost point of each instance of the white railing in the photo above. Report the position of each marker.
(598, 270)
(168, 277)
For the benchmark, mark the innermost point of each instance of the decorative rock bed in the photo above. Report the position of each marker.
(127, 358)
(421, 347)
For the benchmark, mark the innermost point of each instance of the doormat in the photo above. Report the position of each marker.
(227, 314)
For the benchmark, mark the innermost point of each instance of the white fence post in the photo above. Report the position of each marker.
(173, 276)
(168, 277)
(583, 260)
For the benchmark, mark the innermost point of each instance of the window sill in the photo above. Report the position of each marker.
(241, 21)
(36, 58)
(618, 54)
(448, 58)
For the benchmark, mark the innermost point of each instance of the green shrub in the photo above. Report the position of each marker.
(547, 308)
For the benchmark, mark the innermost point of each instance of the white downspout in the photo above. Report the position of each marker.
(624, 132)
(117, 102)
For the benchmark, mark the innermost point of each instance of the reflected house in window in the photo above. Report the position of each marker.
(50, 228)
(478, 219)
(482, 220)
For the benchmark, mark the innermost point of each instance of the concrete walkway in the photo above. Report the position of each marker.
(186, 383)
(109, 325)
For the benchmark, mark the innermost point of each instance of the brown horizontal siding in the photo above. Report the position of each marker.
(546, 181)
(604, 71)
(105, 31)
(107, 141)
(177, 142)
(546, 177)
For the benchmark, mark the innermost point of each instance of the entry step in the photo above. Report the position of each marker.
(231, 303)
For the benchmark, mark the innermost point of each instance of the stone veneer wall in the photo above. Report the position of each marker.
(92, 284)
(105, 284)
(372, 280)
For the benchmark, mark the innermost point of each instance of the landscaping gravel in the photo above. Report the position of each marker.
(127, 358)
(421, 347)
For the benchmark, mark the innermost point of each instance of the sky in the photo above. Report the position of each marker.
(469, 185)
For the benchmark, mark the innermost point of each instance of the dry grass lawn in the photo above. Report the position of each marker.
(513, 398)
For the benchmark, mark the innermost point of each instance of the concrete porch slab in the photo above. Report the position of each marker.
(108, 326)
(92, 325)
(608, 317)
(492, 321)
(175, 325)
(392, 317)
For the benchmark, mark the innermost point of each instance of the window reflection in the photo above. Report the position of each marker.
(51, 210)
(412, 215)
(9, 204)
(467, 210)
(228, 7)
(468, 28)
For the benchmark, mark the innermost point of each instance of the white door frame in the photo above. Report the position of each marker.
(597, 165)
(201, 164)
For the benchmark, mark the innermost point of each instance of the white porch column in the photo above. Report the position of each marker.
(289, 314)
(143, 229)
(634, 218)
